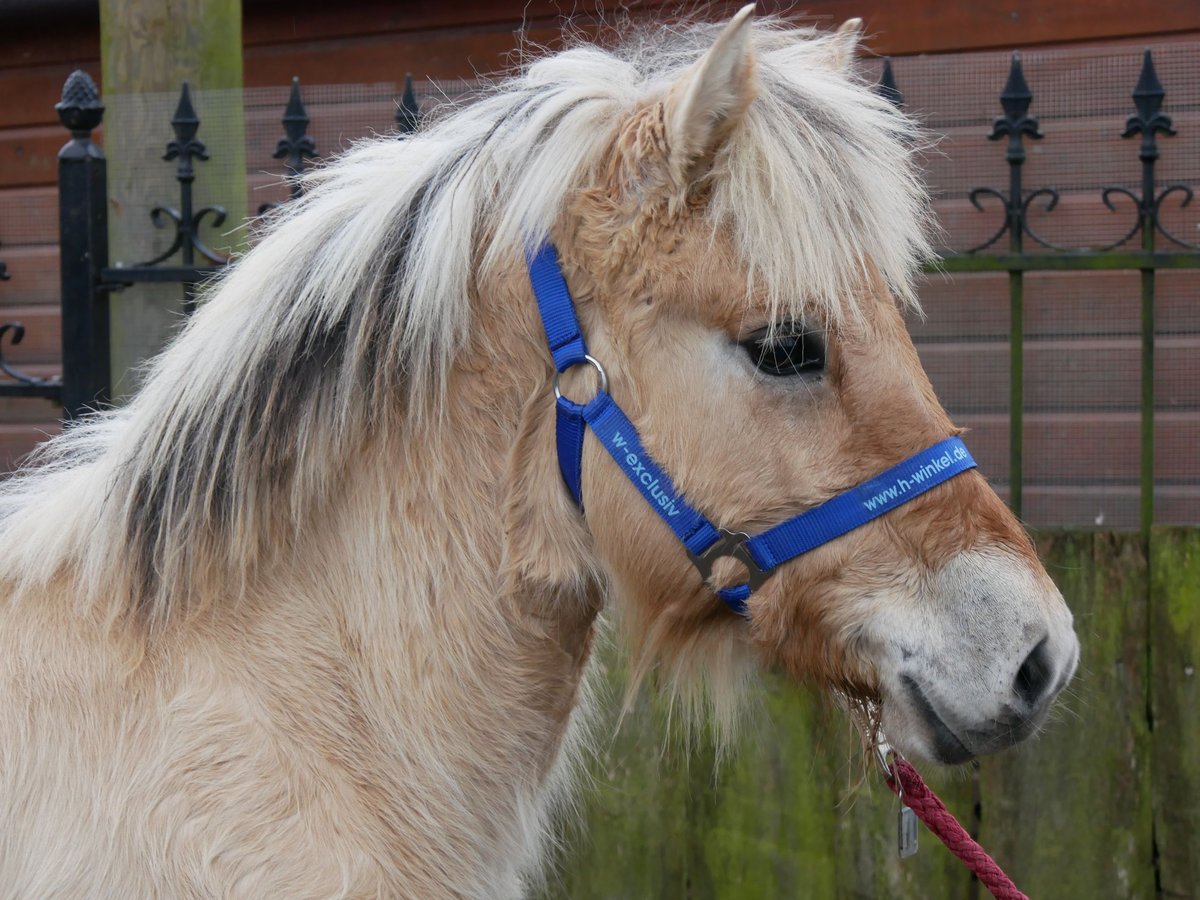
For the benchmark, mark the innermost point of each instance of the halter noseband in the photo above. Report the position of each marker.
(703, 541)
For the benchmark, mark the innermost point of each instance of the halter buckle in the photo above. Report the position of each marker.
(731, 544)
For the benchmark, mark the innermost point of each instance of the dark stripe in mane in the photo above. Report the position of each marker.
(297, 387)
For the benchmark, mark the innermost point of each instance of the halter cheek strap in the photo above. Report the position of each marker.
(703, 541)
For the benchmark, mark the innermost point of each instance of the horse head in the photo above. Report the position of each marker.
(739, 262)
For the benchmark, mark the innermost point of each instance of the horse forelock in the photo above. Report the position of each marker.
(349, 312)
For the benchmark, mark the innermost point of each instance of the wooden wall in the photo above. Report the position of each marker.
(1105, 803)
(378, 40)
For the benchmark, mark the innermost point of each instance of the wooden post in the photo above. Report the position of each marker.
(148, 49)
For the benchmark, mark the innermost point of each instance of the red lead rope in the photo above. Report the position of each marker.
(917, 796)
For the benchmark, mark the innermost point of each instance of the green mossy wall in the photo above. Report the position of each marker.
(1107, 794)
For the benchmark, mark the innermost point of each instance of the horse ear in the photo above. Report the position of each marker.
(704, 105)
(845, 42)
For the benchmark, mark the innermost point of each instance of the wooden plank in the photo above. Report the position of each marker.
(1074, 374)
(1108, 507)
(1174, 702)
(43, 336)
(51, 41)
(1090, 83)
(36, 412)
(16, 440)
(915, 26)
(1068, 814)
(1082, 153)
(320, 21)
(1087, 447)
(1079, 506)
(864, 834)
(50, 48)
(1104, 303)
(932, 26)
(798, 811)
(28, 216)
(34, 277)
(385, 58)
(27, 96)
(1177, 504)
(370, 57)
(29, 156)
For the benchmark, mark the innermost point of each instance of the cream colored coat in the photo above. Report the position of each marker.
(311, 616)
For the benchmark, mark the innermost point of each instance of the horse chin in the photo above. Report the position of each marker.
(916, 723)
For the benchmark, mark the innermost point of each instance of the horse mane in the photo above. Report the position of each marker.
(357, 298)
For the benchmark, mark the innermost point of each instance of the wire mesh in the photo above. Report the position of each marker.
(1082, 330)
(1081, 337)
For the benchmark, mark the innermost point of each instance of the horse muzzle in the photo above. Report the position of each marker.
(980, 668)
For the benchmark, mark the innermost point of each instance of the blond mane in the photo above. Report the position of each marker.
(357, 299)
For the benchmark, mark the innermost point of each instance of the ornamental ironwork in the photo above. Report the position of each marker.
(1016, 124)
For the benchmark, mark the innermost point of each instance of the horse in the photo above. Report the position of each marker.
(312, 614)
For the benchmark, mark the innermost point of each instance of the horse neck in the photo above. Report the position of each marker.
(456, 567)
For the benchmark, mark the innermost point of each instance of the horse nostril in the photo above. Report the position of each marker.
(1033, 678)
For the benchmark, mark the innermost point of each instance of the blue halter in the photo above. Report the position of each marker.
(704, 542)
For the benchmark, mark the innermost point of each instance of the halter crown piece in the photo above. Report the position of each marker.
(703, 541)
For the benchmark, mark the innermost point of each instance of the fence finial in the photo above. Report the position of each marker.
(407, 113)
(185, 123)
(886, 86)
(296, 144)
(1148, 97)
(80, 112)
(80, 108)
(1016, 121)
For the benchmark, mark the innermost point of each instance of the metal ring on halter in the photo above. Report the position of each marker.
(595, 364)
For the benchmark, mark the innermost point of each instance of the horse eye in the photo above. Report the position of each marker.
(791, 350)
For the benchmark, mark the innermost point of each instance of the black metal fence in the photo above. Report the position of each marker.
(1016, 124)
(89, 281)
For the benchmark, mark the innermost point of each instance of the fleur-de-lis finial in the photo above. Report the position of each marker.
(185, 123)
(295, 116)
(1016, 121)
(1150, 119)
(1016, 96)
(297, 144)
